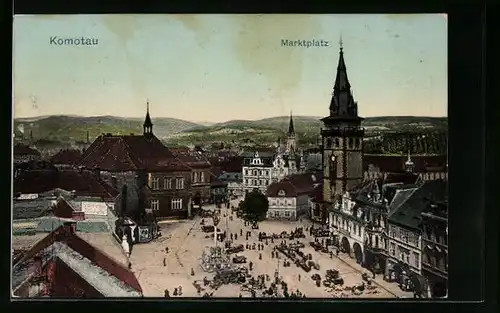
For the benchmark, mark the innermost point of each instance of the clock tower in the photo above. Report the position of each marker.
(342, 136)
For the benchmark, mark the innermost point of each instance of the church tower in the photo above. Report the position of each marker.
(148, 125)
(342, 136)
(291, 144)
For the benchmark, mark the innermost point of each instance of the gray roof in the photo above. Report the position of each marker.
(89, 226)
(26, 209)
(407, 212)
(263, 154)
(49, 224)
(399, 199)
(230, 177)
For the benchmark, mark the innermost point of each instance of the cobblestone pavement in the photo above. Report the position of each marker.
(186, 243)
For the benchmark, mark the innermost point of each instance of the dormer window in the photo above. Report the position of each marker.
(281, 193)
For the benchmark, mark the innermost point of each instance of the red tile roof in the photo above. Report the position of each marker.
(20, 149)
(95, 255)
(83, 183)
(129, 153)
(396, 163)
(67, 157)
(193, 159)
(294, 185)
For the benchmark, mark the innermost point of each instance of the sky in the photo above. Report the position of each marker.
(214, 68)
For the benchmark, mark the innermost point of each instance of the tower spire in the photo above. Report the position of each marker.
(342, 104)
(409, 165)
(148, 125)
(291, 129)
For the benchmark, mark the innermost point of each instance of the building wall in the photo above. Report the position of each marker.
(405, 246)
(167, 190)
(282, 208)
(132, 180)
(200, 183)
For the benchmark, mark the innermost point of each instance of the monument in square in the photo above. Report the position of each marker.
(214, 258)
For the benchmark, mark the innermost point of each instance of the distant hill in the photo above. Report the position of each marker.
(312, 123)
(70, 128)
(307, 128)
(66, 128)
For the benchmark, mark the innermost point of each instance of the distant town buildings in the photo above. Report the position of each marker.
(23, 153)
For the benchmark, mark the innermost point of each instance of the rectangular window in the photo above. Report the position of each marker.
(179, 183)
(416, 259)
(167, 183)
(155, 205)
(287, 214)
(176, 204)
(155, 183)
(202, 177)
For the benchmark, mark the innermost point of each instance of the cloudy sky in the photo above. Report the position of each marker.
(222, 67)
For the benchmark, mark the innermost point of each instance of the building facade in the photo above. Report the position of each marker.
(435, 249)
(290, 197)
(200, 176)
(257, 172)
(404, 234)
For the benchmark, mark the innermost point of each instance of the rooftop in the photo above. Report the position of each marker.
(108, 276)
(83, 183)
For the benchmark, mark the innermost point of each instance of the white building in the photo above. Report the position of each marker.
(290, 197)
(257, 173)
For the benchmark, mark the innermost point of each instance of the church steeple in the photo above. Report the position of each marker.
(291, 129)
(342, 104)
(409, 165)
(148, 125)
(342, 139)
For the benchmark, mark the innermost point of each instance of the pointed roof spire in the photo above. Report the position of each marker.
(148, 125)
(147, 121)
(341, 81)
(291, 129)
